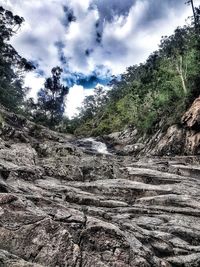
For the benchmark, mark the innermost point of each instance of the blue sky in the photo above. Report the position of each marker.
(91, 39)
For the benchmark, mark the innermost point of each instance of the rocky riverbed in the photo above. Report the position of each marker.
(63, 206)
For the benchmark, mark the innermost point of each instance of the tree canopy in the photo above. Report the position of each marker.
(12, 65)
(50, 105)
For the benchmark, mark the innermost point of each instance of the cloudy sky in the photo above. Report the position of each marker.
(91, 39)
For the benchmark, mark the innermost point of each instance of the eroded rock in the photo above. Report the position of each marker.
(192, 117)
(62, 207)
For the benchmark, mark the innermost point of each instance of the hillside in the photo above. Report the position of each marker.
(149, 97)
(178, 139)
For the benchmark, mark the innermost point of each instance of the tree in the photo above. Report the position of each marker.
(176, 47)
(12, 65)
(191, 2)
(196, 16)
(51, 99)
(93, 104)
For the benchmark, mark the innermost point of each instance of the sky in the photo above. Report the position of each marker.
(91, 39)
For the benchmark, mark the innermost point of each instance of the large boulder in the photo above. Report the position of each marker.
(125, 137)
(172, 143)
(191, 118)
(20, 154)
(132, 149)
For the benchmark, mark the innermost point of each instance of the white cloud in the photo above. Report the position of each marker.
(128, 45)
(124, 41)
(80, 6)
(81, 36)
(35, 82)
(41, 30)
(75, 98)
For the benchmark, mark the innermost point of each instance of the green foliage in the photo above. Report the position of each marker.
(12, 65)
(157, 91)
(50, 106)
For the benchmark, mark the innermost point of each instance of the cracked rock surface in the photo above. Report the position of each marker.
(63, 207)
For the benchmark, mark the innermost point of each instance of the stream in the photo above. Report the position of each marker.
(92, 146)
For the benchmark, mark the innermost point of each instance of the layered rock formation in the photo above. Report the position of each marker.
(184, 138)
(178, 139)
(61, 206)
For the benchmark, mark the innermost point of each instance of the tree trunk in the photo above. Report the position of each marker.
(194, 13)
(180, 71)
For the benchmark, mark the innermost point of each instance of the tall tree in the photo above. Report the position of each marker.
(176, 47)
(193, 9)
(196, 15)
(51, 99)
(12, 65)
(93, 104)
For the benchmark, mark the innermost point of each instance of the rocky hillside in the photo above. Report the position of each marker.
(178, 139)
(63, 206)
